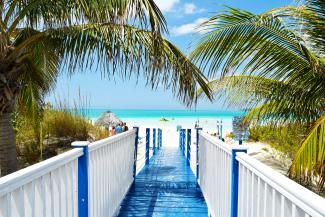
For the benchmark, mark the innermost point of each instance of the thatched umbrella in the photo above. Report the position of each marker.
(108, 119)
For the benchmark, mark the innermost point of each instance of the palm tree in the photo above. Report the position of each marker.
(39, 38)
(273, 64)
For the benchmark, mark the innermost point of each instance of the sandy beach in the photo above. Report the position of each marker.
(261, 151)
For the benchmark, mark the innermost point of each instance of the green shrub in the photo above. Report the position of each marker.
(57, 130)
(230, 135)
(65, 124)
(286, 138)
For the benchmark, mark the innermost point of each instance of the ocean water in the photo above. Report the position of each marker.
(134, 113)
(185, 118)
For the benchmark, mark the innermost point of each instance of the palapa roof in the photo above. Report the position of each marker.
(108, 119)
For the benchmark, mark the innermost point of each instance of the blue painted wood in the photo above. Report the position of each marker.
(136, 142)
(158, 138)
(197, 152)
(82, 178)
(183, 140)
(180, 139)
(154, 140)
(167, 187)
(220, 130)
(160, 145)
(147, 145)
(188, 148)
(234, 183)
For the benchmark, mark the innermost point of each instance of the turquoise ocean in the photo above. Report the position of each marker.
(185, 118)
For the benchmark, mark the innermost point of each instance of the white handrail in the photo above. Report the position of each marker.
(222, 145)
(215, 159)
(259, 190)
(110, 174)
(110, 140)
(48, 188)
(301, 201)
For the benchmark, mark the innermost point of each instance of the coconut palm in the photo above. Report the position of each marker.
(273, 64)
(39, 38)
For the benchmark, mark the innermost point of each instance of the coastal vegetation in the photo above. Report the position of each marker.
(57, 129)
(273, 64)
(284, 138)
(41, 39)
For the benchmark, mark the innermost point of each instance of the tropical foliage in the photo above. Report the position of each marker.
(39, 38)
(273, 64)
(58, 128)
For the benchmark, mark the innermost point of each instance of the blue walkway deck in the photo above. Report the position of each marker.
(167, 187)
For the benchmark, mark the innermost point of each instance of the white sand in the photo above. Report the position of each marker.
(267, 155)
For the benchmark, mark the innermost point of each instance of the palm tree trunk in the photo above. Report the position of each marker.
(8, 155)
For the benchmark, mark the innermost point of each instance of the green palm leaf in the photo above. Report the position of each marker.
(122, 50)
(280, 57)
(310, 158)
(281, 100)
(124, 38)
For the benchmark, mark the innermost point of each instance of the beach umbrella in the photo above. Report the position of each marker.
(108, 119)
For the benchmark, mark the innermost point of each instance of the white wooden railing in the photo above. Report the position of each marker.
(264, 192)
(93, 177)
(111, 164)
(235, 184)
(215, 162)
(48, 188)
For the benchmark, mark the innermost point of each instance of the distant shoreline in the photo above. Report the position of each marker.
(185, 118)
(159, 113)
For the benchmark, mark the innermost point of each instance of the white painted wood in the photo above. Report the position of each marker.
(110, 173)
(282, 197)
(215, 161)
(33, 191)
(262, 191)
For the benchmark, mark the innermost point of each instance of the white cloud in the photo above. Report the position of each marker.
(166, 5)
(191, 8)
(188, 28)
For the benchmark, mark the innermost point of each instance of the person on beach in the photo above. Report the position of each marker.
(118, 129)
(125, 127)
(113, 131)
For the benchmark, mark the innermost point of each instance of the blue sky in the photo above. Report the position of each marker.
(182, 16)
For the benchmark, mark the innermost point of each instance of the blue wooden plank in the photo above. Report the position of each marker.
(160, 214)
(165, 187)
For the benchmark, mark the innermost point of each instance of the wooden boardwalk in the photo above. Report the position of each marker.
(167, 187)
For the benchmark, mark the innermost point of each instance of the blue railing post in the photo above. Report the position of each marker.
(147, 145)
(188, 149)
(180, 138)
(154, 140)
(135, 150)
(160, 138)
(183, 141)
(197, 152)
(220, 130)
(234, 182)
(82, 178)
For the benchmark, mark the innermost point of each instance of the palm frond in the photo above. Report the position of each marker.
(307, 20)
(310, 158)
(122, 50)
(38, 14)
(261, 45)
(281, 100)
